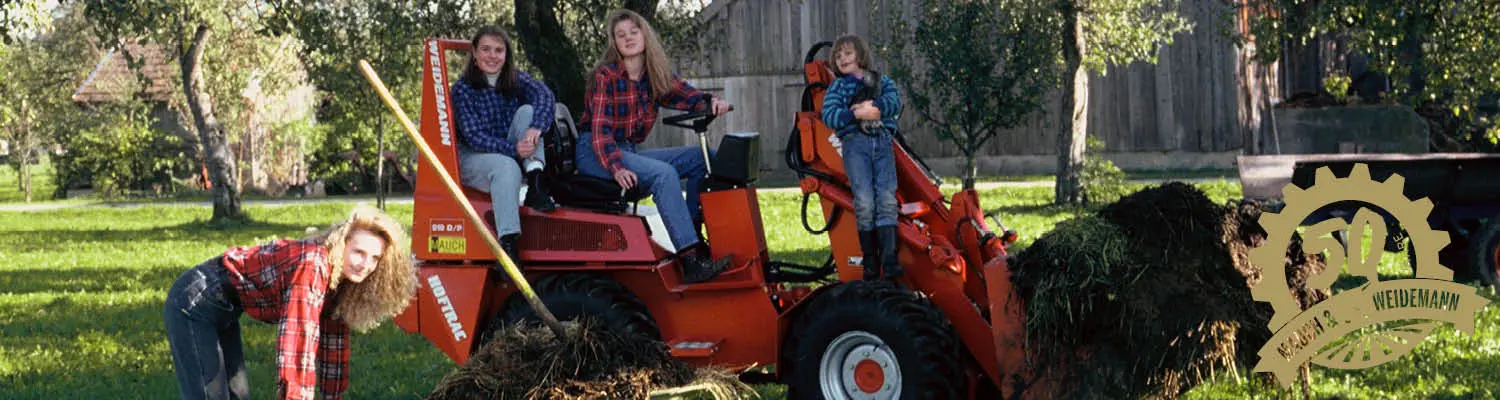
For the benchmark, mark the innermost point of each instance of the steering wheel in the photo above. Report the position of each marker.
(697, 120)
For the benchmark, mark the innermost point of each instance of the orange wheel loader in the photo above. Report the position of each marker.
(951, 327)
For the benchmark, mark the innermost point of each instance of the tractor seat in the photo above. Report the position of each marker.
(571, 188)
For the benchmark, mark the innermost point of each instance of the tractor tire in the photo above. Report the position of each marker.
(1484, 252)
(872, 340)
(573, 296)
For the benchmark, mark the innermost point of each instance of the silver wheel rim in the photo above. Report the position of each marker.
(858, 365)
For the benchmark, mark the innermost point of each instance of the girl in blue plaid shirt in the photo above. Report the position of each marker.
(861, 106)
(501, 114)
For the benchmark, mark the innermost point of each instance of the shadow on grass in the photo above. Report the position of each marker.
(46, 239)
(1041, 210)
(67, 348)
(89, 280)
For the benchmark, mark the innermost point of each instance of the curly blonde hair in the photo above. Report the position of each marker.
(388, 289)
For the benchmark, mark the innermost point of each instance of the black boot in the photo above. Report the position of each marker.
(869, 249)
(508, 244)
(698, 265)
(536, 194)
(889, 245)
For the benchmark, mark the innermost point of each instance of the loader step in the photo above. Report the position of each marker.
(693, 348)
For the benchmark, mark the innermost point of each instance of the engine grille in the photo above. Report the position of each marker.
(564, 235)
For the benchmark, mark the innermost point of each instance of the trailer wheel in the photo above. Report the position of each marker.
(572, 296)
(1485, 251)
(872, 340)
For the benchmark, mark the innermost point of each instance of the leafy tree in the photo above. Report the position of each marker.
(37, 75)
(184, 28)
(21, 108)
(970, 89)
(565, 59)
(1444, 53)
(19, 19)
(335, 34)
(1096, 34)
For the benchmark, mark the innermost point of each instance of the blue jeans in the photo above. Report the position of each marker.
(500, 176)
(870, 163)
(203, 329)
(660, 171)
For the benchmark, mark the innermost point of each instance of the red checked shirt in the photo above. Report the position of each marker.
(620, 110)
(286, 282)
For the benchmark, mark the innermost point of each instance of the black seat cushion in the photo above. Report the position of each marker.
(567, 185)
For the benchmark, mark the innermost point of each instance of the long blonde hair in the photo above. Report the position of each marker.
(388, 289)
(655, 64)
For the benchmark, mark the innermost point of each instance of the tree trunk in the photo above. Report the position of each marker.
(24, 172)
(380, 163)
(646, 8)
(538, 30)
(215, 145)
(1071, 141)
(971, 169)
(1415, 28)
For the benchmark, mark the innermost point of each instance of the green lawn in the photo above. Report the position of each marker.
(81, 292)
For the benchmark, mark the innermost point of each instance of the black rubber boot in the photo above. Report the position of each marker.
(509, 244)
(869, 249)
(699, 266)
(889, 245)
(536, 194)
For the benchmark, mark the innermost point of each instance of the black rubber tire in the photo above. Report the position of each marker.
(921, 339)
(1484, 252)
(571, 296)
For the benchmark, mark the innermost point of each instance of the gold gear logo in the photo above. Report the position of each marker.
(1368, 325)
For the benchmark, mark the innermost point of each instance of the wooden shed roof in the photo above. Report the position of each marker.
(113, 80)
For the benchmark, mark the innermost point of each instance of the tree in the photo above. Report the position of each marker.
(1446, 54)
(184, 27)
(19, 19)
(39, 72)
(20, 114)
(970, 89)
(1096, 34)
(335, 33)
(564, 60)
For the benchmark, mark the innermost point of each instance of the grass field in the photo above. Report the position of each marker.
(81, 292)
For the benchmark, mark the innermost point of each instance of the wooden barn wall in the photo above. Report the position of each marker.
(1194, 100)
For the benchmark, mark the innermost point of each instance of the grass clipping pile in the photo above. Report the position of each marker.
(1149, 295)
(527, 362)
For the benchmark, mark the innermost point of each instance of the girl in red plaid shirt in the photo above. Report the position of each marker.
(315, 289)
(633, 80)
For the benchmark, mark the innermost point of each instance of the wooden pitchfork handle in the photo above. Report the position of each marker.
(457, 194)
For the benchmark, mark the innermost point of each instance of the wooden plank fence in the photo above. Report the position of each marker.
(1191, 110)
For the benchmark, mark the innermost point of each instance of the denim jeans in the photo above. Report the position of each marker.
(203, 329)
(870, 163)
(661, 171)
(500, 176)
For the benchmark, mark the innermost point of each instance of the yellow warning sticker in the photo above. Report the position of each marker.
(448, 244)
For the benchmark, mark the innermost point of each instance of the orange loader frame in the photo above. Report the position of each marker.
(952, 257)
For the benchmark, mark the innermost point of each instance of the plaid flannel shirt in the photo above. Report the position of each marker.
(483, 115)
(838, 115)
(621, 110)
(286, 281)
